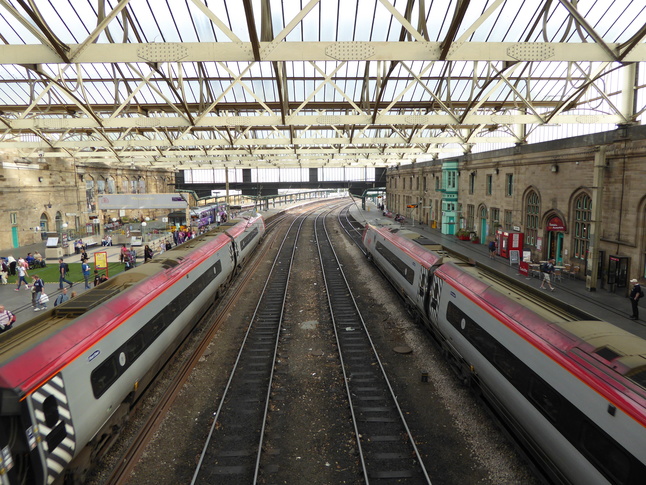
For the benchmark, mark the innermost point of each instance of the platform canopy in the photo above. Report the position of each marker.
(311, 83)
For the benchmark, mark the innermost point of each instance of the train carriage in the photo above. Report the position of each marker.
(69, 376)
(571, 389)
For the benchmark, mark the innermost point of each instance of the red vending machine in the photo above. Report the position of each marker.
(510, 241)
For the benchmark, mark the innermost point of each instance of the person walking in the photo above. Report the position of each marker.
(63, 269)
(36, 291)
(22, 275)
(85, 268)
(635, 295)
(547, 269)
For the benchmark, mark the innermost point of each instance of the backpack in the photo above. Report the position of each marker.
(543, 267)
(66, 267)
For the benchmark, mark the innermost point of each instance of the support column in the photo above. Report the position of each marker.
(226, 182)
(101, 229)
(628, 91)
(591, 274)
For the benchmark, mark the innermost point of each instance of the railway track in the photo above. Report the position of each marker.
(308, 409)
(387, 449)
(233, 447)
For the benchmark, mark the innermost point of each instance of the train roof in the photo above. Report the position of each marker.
(598, 352)
(404, 242)
(40, 347)
(611, 359)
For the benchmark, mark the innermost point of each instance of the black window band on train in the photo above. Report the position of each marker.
(608, 456)
(111, 369)
(399, 266)
(248, 238)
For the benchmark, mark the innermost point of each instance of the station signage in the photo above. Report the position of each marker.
(141, 201)
(555, 224)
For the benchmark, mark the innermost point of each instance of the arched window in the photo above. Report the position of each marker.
(111, 186)
(532, 211)
(142, 185)
(89, 192)
(125, 184)
(582, 216)
(100, 186)
(59, 222)
(44, 222)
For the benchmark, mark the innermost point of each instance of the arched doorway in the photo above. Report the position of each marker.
(483, 225)
(555, 228)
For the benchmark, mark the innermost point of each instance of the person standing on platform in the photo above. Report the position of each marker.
(635, 295)
(124, 254)
(4, 272)
(492, 249)
(85, 268)
(148, 254)
(12, 265)
(63, 269)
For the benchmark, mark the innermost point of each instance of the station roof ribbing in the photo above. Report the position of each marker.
(321, 83)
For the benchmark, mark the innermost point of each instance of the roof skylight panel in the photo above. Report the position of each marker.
(621, 26)
(12, 31)
(309, 26)
(14, 94)
(167, 22)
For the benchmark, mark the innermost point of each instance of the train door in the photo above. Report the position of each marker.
(432, 300)
(423, 288)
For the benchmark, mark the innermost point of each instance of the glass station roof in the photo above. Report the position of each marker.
(320, 83)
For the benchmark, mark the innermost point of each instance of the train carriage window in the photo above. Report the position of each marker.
(608, 457)
(401, 267)
(104, 375)
(248, 239)
(546, 398)
(135, 346)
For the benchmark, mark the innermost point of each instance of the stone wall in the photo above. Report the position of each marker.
(39, 191)
(558, 172)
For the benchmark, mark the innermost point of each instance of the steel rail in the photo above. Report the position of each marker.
(387, 449)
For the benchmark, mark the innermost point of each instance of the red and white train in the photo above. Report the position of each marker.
(572, 391)
(69, 376)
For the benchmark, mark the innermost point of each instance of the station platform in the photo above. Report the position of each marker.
(611, 307)
(19, 302)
